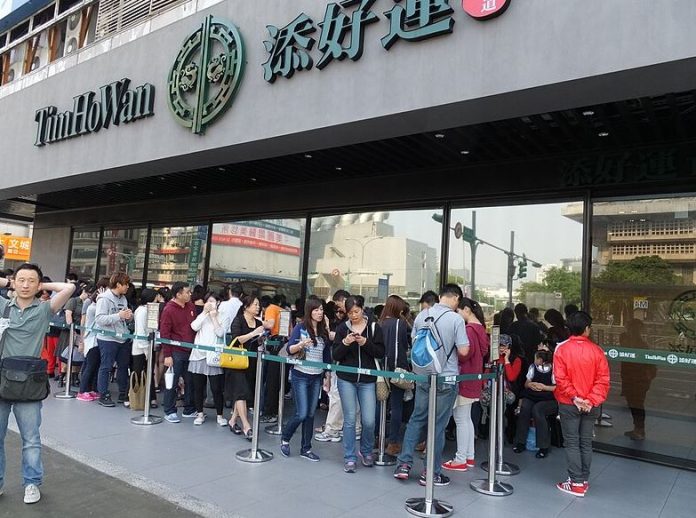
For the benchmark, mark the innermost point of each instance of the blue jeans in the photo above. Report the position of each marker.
(305, 389)
(28, 417)
(351, 394)
(446, 396)
(181, 363)
(396, 402)
(109, 352)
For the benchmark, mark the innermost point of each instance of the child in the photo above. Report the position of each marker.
(537, 401)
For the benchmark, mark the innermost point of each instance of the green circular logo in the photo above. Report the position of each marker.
(206, 74)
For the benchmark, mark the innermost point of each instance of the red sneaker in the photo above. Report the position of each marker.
(587, 485)
(471, 463)
(572, 488)
(453, 465)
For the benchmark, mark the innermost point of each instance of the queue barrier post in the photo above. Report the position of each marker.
(68, 374)
(146, 419)
(490, 486)
(501, 467)
(256, 455)
(429, 506)
(278, 428)
(382, 458)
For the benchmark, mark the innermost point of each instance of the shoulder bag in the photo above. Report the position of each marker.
(22, 378)
(401, 383)
(136, 391)
(228, 360)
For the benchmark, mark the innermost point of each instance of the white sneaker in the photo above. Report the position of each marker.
(31, 494)
(221, 421)
(199, 420)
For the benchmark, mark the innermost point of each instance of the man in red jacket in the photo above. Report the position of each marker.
(175, 324)
(582, 384)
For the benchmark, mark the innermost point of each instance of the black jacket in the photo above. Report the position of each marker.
(355, 356)
(389, 332)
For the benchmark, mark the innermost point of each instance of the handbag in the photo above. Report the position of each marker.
(212, 358)
(234, 361)
(401, 383)
(77, 357)
(381, 387)
(485, 398)
(136, 391)
(22, 378)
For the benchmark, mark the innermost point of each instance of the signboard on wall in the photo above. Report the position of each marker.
(277, 236)
(16, 248)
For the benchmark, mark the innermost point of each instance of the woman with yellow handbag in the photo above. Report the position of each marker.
(246, 330)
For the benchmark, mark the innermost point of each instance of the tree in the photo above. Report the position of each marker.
(557, 280)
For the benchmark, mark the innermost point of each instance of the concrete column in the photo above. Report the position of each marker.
(50, 250)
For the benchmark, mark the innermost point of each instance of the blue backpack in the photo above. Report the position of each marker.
(428, 354)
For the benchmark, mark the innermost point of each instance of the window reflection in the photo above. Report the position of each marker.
(123, 250)
(375, 254)
(177, 254)
(84, 253)
(264, 256)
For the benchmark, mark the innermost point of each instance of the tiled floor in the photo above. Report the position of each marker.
(200, 462)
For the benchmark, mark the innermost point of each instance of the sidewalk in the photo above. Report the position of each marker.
(73, 489)
(194, 465)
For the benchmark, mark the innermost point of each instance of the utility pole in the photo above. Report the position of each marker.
(511, 267)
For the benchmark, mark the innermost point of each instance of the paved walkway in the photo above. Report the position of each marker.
(196, 468)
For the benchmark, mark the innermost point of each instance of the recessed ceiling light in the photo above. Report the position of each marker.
(151, 193)
(339, 169)
(603, 134)
(439, 135)
(588, 113)
(464, 152)
(194, 187)
(221, 169)
(252, 179)
(161, 178)
(307, 155)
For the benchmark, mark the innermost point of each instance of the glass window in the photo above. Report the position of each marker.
(264, 256)
(376, 254)
(84, 253)
(177, 254)
(123, 250)
(643, 296)
(523, 253)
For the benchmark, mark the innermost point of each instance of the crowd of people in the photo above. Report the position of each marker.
(544, 375)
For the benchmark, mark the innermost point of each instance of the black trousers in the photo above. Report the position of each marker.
(217, 386)
(270, 406)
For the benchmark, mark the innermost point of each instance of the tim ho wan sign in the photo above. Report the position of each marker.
(114, 104)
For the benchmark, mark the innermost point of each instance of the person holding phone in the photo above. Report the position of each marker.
(312, 337)
(357, 344)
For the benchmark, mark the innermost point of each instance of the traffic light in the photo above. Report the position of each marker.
(437, 217)
(522, 269)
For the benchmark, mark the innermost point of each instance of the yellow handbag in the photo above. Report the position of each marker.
(234, 361)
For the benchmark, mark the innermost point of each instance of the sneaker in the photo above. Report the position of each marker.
(587, 485)
(172, 418)
(84, 396)
(349, 466)
(367, 460)
(471, 463)
(1, 491)
(572, 488)
(402, 471)
(95, 395)
(453, 465)
(438, 480)
(542, 453)
(122, 398)
(327, 437)
(31, 494)
(268, 419)
(309, 455)
(221, 421)
(519, 448)
(106, 402)
(193, 413)
(285, 449)
(199, 420)
(393, 449)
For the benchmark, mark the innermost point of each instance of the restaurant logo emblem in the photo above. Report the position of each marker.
(206, 74)
(683, 313)
(485, 9)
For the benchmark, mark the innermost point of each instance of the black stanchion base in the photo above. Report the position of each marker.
(261, 456)
(496, 489)
(420, 507)
(274, 429)
(385, 460)
(63, 395)
(507, 469)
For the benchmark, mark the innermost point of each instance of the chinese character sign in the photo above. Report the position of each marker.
(485, 9)
(337, 25)
(16, 248)
(418, 20)
(288, 49)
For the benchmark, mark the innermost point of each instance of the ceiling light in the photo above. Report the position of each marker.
(161, 178)
(464, 152)
(151, 193)
(252, 179)
(603, 134)
(307, 155)
(588, 113)
(439, 135)
(194, 187)
(221, 169)
(339, 169)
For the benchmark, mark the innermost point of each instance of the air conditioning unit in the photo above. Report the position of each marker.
(16, 63)
(72, 34)
(41, 54)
